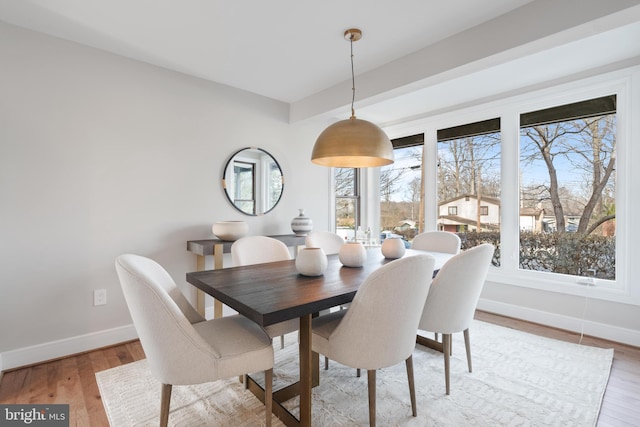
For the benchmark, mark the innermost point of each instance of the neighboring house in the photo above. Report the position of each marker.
(461, 214)
(406, 228)
(571, 222)
(533, 219)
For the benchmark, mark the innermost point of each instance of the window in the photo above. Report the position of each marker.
(401, 189)
(244, 184)
(567, 169)
(469, 182)
(347, 193)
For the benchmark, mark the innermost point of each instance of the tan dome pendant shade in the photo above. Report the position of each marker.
(352, 143)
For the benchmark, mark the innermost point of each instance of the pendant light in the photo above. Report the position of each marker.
(352, 143)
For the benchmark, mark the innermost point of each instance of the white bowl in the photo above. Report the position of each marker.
(311, 261)
(352, 254)
(393, 248)
(230, 230)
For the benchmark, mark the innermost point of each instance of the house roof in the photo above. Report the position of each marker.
(455, 219)
(492, 200)
(531, 211)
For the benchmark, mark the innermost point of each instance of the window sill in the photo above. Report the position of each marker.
(603, 289)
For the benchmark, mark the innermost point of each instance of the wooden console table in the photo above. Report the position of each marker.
(216, 248)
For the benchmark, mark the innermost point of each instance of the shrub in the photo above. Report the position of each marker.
(564, 253)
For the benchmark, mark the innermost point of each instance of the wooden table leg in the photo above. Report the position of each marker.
(428, 342)
(309, 378)
(306, 369)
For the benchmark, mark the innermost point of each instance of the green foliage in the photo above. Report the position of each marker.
(564, 253)
(472, 238)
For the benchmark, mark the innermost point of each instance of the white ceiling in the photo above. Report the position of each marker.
(282, 49)
(294, 50)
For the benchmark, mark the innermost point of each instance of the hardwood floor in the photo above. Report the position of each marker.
(72, 379)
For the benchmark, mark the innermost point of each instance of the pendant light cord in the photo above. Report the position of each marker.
(353, 81)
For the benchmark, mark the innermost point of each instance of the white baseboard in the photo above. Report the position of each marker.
(595, 329)
(65, 347)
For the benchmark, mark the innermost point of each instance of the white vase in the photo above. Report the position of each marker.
(352, 254)
(393, 248)
(230, 230)
(311, 262)
(301, 224)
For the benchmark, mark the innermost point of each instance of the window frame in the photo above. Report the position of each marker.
(356, 198)
(618, 83)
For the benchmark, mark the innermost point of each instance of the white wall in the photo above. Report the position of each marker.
(101, 155)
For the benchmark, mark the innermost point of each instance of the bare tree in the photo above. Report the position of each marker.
(597, 152)
(586, 144)
(450, 169)
(389, 180)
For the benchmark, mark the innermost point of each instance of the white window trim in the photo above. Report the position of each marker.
(625, 84)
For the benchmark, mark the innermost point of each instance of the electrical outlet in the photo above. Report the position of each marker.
(99, 297)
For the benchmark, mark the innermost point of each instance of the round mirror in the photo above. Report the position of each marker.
(252, 181)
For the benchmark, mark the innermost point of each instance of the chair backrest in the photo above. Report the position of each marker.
(163, 319)
(258, 250)
(380, 326)
(455, 291)
(328, 241)
(437, 241)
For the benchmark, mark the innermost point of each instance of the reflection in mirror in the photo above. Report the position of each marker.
(253, 181)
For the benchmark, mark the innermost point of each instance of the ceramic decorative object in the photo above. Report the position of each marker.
(311, 262)
(393, 248)
(352, 254)
(301, 224)
(230, 230)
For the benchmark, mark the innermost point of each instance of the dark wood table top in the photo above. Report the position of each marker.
(274, 292)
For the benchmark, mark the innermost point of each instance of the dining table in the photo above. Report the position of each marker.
(274, 292)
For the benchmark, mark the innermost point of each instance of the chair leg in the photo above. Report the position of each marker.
(326, 363)
(268, 395)
(281, 341)
(446, 339)
(412, 385)
(467, 344)
(358, 372)
(371, 382)
(165, 401)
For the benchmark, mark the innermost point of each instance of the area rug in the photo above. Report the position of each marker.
(518, 379)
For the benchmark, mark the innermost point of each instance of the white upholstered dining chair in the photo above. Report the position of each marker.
(180, 345)
(328, 241)
(437, 241)
(259, 250)
(379, 328)
(453, 298)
